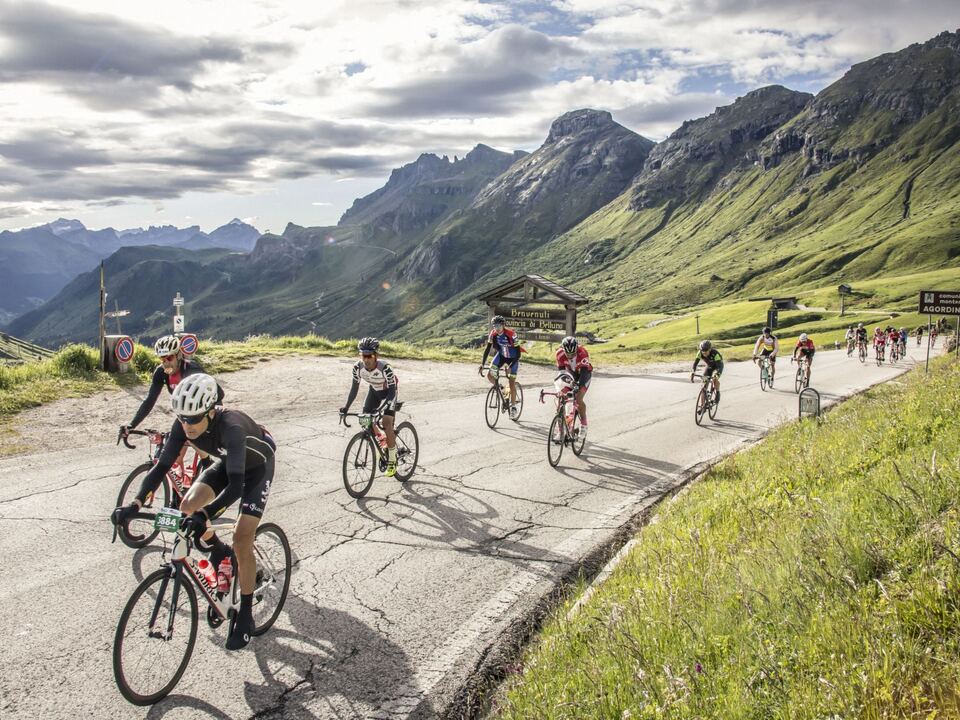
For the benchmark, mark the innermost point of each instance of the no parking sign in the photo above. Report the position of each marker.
(188, 344)
(123, 350)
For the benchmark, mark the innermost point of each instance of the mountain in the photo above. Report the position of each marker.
(778, 192)
(235, 235)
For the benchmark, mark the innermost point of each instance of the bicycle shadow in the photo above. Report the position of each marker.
(735, 428)
(446, 514)
(617, 470)
(139, 561)
(322, 665)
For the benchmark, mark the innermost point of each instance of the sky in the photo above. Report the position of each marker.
(194, 112)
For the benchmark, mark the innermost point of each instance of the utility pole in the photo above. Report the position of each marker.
(698, 324)
(103, 300)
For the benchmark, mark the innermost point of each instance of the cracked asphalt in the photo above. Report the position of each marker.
(395, 598)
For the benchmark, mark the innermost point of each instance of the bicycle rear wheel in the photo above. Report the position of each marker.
(408, 451)
(147, 664)
(713, 404)
(359, 465)
(519, 404)
(272, 551)
(798, 380)
(579, 438)
(556, 440)
(701, 406)
(491, 410)
(139, 532)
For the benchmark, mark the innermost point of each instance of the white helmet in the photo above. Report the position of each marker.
(803, 337)
(194, 395)
(167, 345)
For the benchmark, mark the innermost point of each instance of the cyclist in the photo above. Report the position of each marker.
(508, 351)
(245, 471)
(805, 348)
(384, 387)
(172, 369)
(879, 342)
(850, 338)
(903, 342)
(893, 337)
(712, 358)
(861, 333)
(933, 335)
(574, 358)
(919, 333)
(767, 346)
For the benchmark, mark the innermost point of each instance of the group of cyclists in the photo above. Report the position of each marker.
(246, 450)
(856, 340)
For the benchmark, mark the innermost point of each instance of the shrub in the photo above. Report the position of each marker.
(76, 360)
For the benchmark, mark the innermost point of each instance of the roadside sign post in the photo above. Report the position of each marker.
(938, 302)
(103, 332)
(809, 403)
(537, 308)
(178, 323)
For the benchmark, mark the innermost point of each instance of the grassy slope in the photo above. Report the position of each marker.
(815, 575)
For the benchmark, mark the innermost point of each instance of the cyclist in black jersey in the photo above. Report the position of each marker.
(245, 471)
(712, 358)
(172, 369)
(383, 388)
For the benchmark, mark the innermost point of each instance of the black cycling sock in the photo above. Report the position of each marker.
(241, 629)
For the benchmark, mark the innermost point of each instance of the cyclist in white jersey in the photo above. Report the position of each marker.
(767, 346)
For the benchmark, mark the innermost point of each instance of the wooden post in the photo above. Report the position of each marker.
(698, 324)
(841, 304)
(929, 321)
(103, 300)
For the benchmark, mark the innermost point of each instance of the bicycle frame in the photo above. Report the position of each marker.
(181, 475)
(376, 420)
(562, 399)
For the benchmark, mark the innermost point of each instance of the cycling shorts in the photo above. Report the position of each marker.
(512, 368)
(376, 397)
(768, 354)
(256, 485)
(584, 380)
(808, 354)
(715, 370)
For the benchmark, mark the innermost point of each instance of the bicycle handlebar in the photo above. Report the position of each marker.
(146, 433)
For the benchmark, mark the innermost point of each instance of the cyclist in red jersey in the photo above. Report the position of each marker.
(805, 348)
(574, 358)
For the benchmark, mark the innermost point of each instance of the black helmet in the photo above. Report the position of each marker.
(569, 344)
(766, 330)
(368, 345)
(705, 345)
(498, 320)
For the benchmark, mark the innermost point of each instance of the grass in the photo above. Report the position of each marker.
(816, 575)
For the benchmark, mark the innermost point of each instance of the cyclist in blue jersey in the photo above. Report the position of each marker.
(507, 357)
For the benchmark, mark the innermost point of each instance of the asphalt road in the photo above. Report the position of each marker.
(395, 598)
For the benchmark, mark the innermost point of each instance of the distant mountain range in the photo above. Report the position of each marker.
(36, 263)
(776, 192)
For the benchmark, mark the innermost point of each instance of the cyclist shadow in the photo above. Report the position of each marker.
(618, 470)
(735, 427)
(449, 515)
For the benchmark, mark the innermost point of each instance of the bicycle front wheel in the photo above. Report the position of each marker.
(701, 408)
(155, 638)
(359, 465)
(555, 440)
(764, 379)
(272, 552)
(863, 354)
(713, 404)
(139, 532)
(408, 450)
(519, 404)
(798, 380)
(491, 411)
(579, 437)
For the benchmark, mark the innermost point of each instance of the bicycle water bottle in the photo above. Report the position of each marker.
(224, 575)
(381, 438)
(207, 572)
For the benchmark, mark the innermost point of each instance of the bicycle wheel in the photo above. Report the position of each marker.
(148, 664)
(556, 440)
(701, 408)
(713, 404)
(359, 465)
(798, 380)
(408, 450)
(272, 552)
(863, 354)
(579, 439)
(491, 411)
(139, 532)
(764, 379)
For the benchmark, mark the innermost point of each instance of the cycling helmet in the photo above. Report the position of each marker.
(368, 345)
(859, 325)
(167, 345)
(766, 331)
(705, 345)
(498, 320)
(194, 395)
(803, 337)
(903, 329)
(569, 344)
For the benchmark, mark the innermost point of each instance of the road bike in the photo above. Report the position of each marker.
(367, 451)
(879, 351)
(498, 400)
(179, 478)
(766, 378)
(158, 626)
(894, 351)
(565, 428)
(707, 399)
(802, 378)
(850, 347)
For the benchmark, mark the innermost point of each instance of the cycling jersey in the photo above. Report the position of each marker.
(383, 385)
(861, 334)
(880, 339)
(247, 452)
(713, 360)
(161, 379)
(508, 348)
(807, 348)
(766, 346)
(579, 361)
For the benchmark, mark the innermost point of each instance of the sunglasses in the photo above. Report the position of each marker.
(191, 419)
(366, 356)
(168, 358)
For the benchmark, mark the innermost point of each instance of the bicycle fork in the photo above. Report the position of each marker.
(152, 631)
